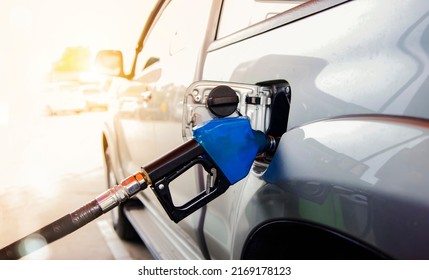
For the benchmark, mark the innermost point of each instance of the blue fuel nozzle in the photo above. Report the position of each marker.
(225, 148)
(232, 144)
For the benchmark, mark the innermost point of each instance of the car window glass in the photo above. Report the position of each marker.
(237, 15)
(177, 35)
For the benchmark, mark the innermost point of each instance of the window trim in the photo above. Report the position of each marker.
(299, 12)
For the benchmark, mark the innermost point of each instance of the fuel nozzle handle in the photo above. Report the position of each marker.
(225, 148)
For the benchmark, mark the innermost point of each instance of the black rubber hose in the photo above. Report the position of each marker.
(53, 231)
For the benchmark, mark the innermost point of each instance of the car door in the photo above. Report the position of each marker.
(150, 118)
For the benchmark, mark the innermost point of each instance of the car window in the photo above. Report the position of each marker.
(177, 34)
(237, 15)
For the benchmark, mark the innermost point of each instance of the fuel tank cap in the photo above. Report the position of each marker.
(222, 101)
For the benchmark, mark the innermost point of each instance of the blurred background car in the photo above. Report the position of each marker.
(64, 97)
(95, 97)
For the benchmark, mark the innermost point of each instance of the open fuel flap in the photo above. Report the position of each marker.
(266, 104)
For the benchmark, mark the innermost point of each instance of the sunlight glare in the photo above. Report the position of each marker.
(32, 243)
(4, 114)
(21, 19)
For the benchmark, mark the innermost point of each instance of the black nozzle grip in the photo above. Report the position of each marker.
(170, 166)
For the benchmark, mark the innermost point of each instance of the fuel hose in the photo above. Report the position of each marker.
(75, 220)
(52, 232)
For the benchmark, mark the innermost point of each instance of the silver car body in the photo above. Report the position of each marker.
(353, 163)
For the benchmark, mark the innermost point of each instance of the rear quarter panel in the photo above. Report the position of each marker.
(363, 176)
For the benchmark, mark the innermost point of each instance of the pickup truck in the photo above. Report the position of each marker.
(343, 85)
